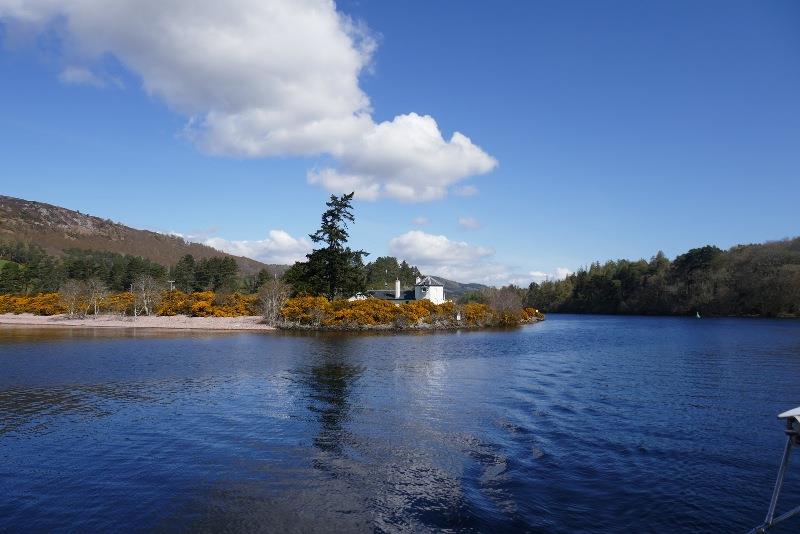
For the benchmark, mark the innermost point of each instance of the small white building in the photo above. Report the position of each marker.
(429, 289)
(426, 288)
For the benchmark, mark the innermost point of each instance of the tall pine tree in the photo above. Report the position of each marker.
(334, 269)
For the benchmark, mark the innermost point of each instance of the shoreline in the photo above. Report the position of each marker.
(173, 322)
(420, 327)
(221, 324)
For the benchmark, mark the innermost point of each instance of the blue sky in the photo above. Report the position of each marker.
(598, 130)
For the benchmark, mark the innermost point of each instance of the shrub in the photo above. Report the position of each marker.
(175, 303)
(305, 310)
(476, 314)
(202, 308)
(359, 313)
(120, 303)
(44, 304)
(40, 304)
(236, 305)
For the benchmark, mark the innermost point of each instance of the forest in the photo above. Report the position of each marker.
(747, 280)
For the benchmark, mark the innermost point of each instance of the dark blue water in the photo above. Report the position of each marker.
(577, 424)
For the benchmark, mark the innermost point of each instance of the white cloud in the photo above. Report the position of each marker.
(420, 221)
(466, 190)
(455, 260)
(438, 255)
(406, 158)
(470, 223)
(279, 247)
(540, 276)
(263, 78)
(561, 273)
(80, 76)
(345, 183)
(429, 249)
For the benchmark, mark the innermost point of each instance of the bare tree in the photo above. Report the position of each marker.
(505, 301)
(72, 295)
(96, 291)
(272, 295)
(146, 294)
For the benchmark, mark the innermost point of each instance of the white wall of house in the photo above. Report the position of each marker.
(434, 294)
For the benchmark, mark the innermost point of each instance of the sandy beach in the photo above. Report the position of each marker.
(176, 322)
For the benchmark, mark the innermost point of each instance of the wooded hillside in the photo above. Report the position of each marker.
(56, 229)
(746, 280)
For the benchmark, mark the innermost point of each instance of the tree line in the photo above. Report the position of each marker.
(746, 280)
(27, 269)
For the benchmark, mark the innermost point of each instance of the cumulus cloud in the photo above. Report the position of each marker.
(278, 247)
(264, 78)
(462, 261)
(429, 249)
(442, 256)
(469, 223)
(406, 158)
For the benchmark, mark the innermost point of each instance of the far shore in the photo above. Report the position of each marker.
(175, 322)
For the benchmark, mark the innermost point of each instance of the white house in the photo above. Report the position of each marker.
(427, 288)
(430, 289)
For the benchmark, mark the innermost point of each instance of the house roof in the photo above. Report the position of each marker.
(429, 281)
(386, 294)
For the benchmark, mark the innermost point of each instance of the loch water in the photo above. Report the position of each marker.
(576, 424)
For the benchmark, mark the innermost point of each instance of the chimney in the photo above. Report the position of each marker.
(397, 288)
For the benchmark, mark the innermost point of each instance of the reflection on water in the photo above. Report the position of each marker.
(588, 424)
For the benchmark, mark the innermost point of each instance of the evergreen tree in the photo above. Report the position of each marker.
(216, 273)
(183, 273)
(333, 270)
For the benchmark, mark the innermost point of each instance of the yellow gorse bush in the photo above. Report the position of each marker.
(342, 314)
(306, 310)
(41, 304)
(200, 304)
(303, 310)
(120, 303)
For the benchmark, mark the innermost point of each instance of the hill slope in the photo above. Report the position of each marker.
(56, 229)
(454, 290)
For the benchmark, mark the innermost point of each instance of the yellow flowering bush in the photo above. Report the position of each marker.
(476, 314)
(343, 315)
(236, 305)
(175, 303)
(305, 310)
(41, 304)
(367, 312)
(121, 303)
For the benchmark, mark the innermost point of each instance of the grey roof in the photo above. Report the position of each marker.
(387, 294)
(429, 281)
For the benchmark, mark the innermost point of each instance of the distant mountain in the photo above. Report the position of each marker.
(454, 290)
(56, 229)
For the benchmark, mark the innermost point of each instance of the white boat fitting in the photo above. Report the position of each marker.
(792, 418)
